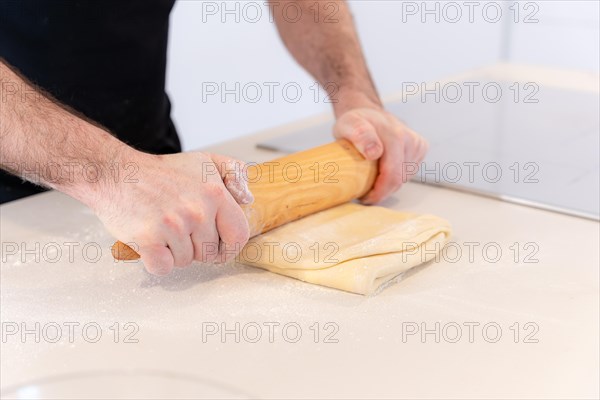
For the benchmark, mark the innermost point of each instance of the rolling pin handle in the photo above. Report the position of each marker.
(122, 252)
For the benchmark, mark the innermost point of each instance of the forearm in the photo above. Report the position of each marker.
(324, 41)
(49, 145)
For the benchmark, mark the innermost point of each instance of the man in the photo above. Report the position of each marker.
(83, 85)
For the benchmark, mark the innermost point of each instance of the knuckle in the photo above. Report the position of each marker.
(168, 220)
(362, 131)
(195, 216)
(172, 223)
(215, 190)
(401, 131)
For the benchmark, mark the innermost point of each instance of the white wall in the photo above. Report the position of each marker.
(401, 42)
(567, 35)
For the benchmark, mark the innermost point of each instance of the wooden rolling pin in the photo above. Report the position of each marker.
(291, 187)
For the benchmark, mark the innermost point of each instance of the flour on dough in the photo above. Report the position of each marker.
(350, 247)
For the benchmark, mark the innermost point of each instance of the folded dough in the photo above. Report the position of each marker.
(351, 247)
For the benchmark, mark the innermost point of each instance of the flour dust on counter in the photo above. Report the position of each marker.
(356, 248)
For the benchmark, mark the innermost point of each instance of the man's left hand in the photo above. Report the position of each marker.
(377, 134)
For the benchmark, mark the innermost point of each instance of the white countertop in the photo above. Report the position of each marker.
(554, 301)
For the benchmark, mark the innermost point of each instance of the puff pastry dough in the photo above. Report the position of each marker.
(351, 247)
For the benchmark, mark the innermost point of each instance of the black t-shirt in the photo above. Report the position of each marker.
(104, 58)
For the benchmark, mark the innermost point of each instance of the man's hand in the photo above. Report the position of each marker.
(378, 134)
(174, 209)
(329, 49)
(178, 208)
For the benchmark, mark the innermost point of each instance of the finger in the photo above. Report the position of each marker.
(418, 155)
(412, 158)
(228, 251)
(423, 149)
(234, 176)
(391, 172)
(157, 259)
(206, 243)
(416, 146)
(361, 133)
(182, 249)
(177, 232)
(233, 229)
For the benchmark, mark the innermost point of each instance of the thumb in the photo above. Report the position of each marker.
(361, 133)
(234, 176)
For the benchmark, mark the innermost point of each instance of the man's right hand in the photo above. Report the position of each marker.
(177, 209)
